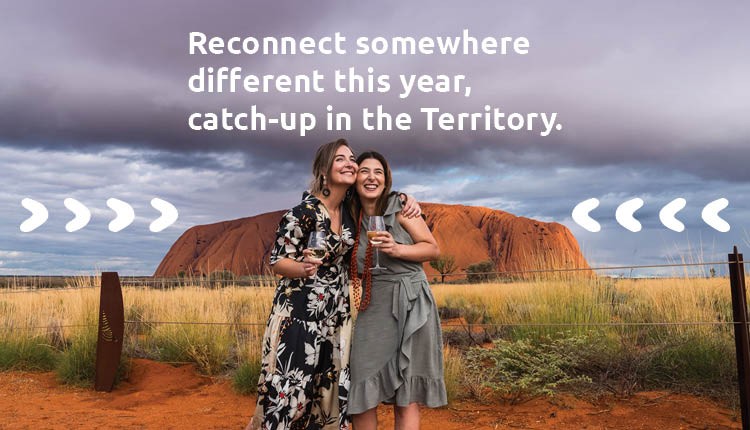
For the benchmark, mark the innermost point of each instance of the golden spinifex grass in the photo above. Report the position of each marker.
(665, 327)
(674, 306)
(211, 328)
(214, 328)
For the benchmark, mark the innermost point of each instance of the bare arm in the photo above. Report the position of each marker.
(425, 247)
(289, 268)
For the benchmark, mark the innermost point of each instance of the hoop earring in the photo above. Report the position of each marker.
(326, 191)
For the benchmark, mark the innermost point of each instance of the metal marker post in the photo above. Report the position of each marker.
(741, 339)
(111, 331)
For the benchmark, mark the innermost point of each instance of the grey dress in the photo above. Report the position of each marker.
(397, 347)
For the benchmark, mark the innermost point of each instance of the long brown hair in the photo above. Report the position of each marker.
(382, 202)
(380, 206)
(323, 162)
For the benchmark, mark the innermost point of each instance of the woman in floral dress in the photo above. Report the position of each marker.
(304, 377)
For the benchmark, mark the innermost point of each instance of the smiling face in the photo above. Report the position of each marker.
(371, 179)
(344, 168)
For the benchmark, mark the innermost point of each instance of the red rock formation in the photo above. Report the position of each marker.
(470, 234)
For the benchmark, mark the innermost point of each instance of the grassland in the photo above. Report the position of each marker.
(512, 340)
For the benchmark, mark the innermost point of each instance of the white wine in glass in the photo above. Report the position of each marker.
(316, 244)
(371, 235)
(318, 253)
(376, 225)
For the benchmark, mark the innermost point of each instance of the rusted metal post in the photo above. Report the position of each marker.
(741, 338)
(111, 331)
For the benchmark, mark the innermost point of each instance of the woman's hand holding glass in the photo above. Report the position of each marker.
(314, 253)
(386, 243)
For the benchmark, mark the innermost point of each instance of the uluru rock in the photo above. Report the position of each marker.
(468, 233)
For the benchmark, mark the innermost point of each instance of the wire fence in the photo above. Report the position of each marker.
(444, 325)
(22, 284)
(166, 283)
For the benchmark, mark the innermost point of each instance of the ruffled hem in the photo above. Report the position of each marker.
(413, 307)
(387, 386)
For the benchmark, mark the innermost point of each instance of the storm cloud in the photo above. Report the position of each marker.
(94, 101)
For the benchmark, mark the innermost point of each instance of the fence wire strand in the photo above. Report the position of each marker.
(143, 282)
(171, 282)
(462, 325)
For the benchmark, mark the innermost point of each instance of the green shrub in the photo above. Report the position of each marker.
(694, 364)
(77, 364)
(33, 354)
(222, 275)
(453, 371)
(78, 361)
(480, 272)
(245, 380)
(207, 346)
(525, 368)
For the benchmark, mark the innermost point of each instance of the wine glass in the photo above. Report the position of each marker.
(375, 225)
(316, 243)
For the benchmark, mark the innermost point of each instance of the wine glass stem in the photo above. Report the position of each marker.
(377, 257)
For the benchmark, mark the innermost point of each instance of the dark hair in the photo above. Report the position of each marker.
(323, 161)
(382, 203)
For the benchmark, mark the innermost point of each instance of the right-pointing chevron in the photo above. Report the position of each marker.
(581, 215)
(125, 214)
(710, 214)
(667, 213)
(624, 214)
(81, 212)
(168, 216)
(38, 216)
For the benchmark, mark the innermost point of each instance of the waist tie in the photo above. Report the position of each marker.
(411, 307)
(408, 286)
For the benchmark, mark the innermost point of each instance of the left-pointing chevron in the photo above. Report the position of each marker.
(624, 214)
(581, 215)
(668, 212)
(710, 215)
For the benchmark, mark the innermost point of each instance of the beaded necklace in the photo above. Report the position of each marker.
(365, 281)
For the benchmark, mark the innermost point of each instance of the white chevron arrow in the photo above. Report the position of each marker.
(581, 215)
(624, 214)
(168, 216)
(81, 212)
(710, 215)
(667, 213)
(38, 216)
(125, 214)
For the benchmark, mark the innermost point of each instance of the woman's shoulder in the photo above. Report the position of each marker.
(305, 212)
(309, 204)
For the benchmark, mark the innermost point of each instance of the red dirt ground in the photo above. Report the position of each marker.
(158, 396)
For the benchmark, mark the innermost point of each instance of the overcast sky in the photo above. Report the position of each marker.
(653, 98)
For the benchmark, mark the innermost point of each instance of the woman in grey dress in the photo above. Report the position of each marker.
(397, 354)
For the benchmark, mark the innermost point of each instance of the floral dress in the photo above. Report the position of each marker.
(304, 378)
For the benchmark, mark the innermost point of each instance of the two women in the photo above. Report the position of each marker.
(305, 374)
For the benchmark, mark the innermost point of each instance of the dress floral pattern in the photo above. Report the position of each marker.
(304, 379)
